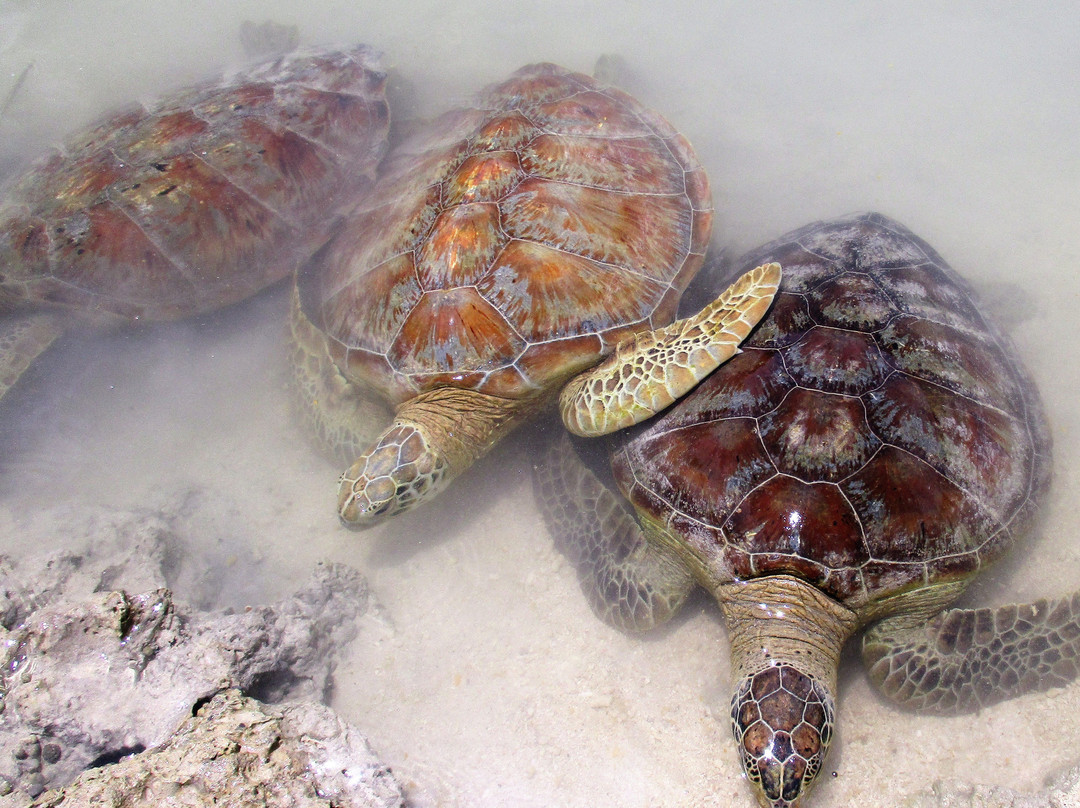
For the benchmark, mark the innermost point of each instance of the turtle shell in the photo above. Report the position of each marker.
(510, 244)
(874, 434)
(199, 200)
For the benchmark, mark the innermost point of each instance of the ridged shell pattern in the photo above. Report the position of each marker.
(508, 245)
(876, 433)
(199, 200)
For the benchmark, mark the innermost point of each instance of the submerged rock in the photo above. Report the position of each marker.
(185, 542)
(94, 670)
(238, 753)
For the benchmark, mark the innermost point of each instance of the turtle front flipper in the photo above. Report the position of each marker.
(965, 659)
(629, 581)
(22, 340)
(650, 371)
(343, 417)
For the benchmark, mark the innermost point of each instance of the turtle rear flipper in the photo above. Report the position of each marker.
(22, 339)
(631, 583)
(966, 659)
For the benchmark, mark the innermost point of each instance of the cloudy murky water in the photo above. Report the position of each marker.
(486, 681)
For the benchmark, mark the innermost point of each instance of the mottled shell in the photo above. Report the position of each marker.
(199, 200)
(875, 433)
(513, 243)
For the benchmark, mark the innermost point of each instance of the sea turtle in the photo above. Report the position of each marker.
(873, 447)
(505, 247)
(190, 204)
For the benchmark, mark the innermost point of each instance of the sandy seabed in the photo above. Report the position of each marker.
(484, 678)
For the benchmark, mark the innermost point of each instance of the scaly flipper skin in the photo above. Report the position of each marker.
(966, 659)
(343, 417)
(22, 339)
(629, 581)
(652, 370)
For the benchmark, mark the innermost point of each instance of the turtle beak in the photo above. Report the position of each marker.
(775, 783)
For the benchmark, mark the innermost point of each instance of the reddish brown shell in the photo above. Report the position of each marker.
(508, 245)
(199, 200)
(875, 433)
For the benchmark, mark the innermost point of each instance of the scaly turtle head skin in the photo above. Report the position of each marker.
(786, 638)
(874, 445)
(505, 247)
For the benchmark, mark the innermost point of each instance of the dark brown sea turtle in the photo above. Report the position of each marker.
(190, 204)
(505, 247)
(874, 446)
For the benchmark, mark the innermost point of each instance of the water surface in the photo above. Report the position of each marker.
(486, 681)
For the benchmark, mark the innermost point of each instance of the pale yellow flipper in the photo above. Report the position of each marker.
(651, 371)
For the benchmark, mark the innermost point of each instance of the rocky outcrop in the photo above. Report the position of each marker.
(95, 671)
(239, 753)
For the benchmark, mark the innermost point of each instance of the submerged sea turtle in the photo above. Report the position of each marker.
(873, 447)
(506, 247)
(193, 203)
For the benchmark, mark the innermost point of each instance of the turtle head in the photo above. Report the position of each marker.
(396, 474)
(786, 637)
(434, 436)
(782, 719)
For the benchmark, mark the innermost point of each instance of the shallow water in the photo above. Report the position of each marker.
(485, 680)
